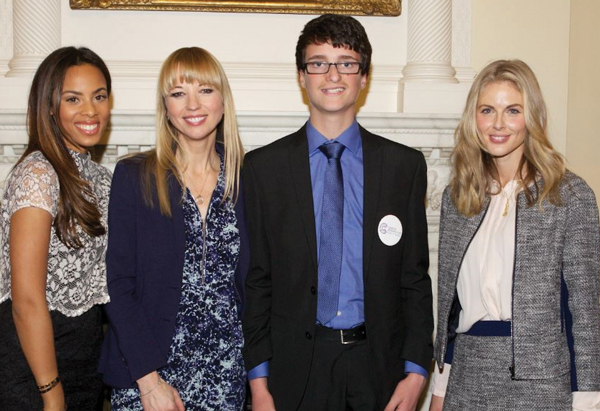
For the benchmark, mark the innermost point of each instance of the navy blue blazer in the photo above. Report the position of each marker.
(144, 260)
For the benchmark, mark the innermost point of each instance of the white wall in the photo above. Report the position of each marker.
(559, 40)
(583, 144)
(257, 51)
(234, 37)
(536, 32)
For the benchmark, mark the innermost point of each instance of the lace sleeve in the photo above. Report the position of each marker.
(33, 183)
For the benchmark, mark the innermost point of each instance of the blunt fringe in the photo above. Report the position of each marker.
(473, 168)
(339, 31)
(77, 203)
(190, 65)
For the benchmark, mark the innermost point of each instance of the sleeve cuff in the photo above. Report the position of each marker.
(411, 367)
(260, 371)
(586, 400)
(439, 380)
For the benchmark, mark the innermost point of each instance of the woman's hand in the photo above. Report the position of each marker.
(157, 395)
(54, 400)
(437, 403)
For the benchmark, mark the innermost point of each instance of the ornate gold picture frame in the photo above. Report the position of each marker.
(353, 7)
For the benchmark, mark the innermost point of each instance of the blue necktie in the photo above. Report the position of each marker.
(330, 247)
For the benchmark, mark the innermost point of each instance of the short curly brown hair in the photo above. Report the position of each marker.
(339, 31)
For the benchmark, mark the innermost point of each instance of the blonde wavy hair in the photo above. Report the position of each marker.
(473, 168)
(190, 65)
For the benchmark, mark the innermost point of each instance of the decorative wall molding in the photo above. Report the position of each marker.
(6, 35)
(133, 131)
(429, 42)
(36, 34)
(461, 40)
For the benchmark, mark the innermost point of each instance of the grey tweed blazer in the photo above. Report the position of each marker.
(555, 284)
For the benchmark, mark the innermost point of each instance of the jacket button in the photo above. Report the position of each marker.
(313, 290)
(308, 336)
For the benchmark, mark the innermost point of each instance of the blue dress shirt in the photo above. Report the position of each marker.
(351, 311)
(351, 299)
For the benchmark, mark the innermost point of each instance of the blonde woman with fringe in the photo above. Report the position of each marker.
(177, 255)
(519, 264)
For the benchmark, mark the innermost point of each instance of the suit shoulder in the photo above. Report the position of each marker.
(395, 147)
(574, 186)
(573, 181)
(133, 162)
(271, 150)
(131, 169)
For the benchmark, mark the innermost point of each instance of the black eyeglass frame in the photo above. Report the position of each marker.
(358, 65)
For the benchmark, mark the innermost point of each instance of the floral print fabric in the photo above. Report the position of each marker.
(205, 363)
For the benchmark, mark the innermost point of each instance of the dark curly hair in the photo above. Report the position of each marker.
(339, 31)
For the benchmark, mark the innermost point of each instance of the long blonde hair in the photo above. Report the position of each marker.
(473, 168)
(190, 65)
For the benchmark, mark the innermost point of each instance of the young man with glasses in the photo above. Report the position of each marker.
(339, 307)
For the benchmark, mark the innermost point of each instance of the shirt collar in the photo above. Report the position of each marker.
(82, 160)
(350, 138)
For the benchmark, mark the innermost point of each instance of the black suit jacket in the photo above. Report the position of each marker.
(280, 317)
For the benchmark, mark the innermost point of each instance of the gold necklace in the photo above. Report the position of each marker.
(506, 206)
(199, 199)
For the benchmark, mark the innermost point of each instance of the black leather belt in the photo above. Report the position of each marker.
(348, 336)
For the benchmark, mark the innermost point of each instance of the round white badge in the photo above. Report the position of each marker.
(390, 230)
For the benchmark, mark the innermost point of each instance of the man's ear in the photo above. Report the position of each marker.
(301, 75)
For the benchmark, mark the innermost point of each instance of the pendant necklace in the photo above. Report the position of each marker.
(506, 206)
(200, 198)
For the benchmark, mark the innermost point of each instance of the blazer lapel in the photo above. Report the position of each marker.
(301, 182)
(464, 230)
(372, 166)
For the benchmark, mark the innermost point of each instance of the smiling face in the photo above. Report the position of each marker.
(195, 110)
(501, 124)
(332, 95)
(84, 107)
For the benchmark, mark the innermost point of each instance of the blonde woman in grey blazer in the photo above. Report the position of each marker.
(519, 264)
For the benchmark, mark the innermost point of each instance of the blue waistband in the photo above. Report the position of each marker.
(490, 329)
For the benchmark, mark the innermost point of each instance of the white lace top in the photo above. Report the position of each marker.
(76, 278)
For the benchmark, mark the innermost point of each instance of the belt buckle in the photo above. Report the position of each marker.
(344, 342)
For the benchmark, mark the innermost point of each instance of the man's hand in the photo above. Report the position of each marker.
(262, 400)
(407, 393)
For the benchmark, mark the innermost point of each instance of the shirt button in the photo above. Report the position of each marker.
(313, 290)
(308, 336)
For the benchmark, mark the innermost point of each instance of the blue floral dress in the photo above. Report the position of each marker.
(205, 363)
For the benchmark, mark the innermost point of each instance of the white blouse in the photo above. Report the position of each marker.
(484, 283)
(76, 278)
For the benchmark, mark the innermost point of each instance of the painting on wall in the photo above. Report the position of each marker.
(352, 7)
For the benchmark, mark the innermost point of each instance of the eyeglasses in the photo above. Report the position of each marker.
(322, 67)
